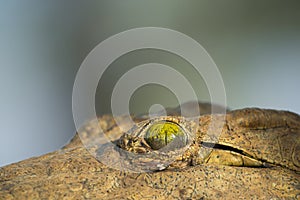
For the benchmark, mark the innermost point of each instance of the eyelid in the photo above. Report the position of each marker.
(139, 131)
(139, 155)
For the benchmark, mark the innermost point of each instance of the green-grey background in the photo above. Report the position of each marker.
(255, 44)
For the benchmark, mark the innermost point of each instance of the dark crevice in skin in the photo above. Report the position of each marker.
(223, 147)
(110, 128)
(229, 148)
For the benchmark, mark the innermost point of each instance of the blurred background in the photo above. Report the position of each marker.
(255, 44)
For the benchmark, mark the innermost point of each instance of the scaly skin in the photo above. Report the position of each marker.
(268, 138)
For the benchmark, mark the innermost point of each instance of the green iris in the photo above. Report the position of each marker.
(162, 133)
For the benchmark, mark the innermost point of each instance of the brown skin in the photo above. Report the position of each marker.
(267, 139)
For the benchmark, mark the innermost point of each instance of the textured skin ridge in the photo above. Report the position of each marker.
(73, 173)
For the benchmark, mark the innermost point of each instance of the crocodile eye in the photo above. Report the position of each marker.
(162, 133)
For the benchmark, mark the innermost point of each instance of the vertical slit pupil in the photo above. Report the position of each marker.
(161, 133)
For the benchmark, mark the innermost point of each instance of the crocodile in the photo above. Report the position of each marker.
(256, 155)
